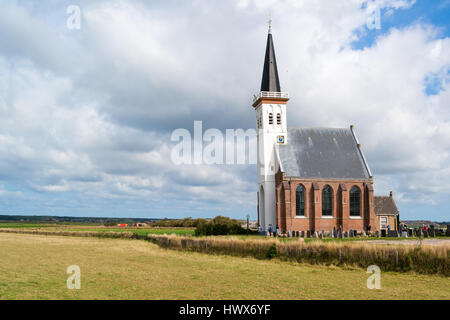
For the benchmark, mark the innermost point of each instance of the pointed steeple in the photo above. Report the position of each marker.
(270, 80)
(270, 86)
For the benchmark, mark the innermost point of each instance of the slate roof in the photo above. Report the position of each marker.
(270, 80)
(322, 153)
(385, 206)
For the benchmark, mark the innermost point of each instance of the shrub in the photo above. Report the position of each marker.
(272, 252)
(180, 223)
(219, 226)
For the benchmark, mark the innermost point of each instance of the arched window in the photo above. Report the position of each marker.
(355, 202)
(300, 201)
(327, 201)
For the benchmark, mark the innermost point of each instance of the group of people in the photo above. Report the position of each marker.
(427, 228)
(271, 232)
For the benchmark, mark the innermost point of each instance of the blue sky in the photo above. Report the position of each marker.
(436, 13)
(86, 115)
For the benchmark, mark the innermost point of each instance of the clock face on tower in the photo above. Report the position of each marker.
(280, 139)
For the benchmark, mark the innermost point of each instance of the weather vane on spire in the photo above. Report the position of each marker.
(270, 23)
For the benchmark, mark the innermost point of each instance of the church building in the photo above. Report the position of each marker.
(309, 179)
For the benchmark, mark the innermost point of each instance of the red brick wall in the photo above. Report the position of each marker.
(313, 220)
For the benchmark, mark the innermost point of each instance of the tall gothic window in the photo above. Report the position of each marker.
(278, 119)
(355, 202)
(300, 201)
(327, 201)
(270, 118)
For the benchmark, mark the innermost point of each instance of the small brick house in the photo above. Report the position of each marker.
(309, 179)
(387, 213)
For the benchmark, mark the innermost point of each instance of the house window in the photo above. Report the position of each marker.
(327, 201)
(383, 223)
(355, 202)
(278, 119)
(270, 118)
(300, 201)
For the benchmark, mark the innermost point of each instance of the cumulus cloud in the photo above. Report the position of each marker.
(86, 115)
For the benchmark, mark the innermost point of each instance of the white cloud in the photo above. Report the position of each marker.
(89, 113)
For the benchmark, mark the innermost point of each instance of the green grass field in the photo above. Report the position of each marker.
(70, 227)
(178, 231)
(34, 267)
(138, 231)
(18, 225)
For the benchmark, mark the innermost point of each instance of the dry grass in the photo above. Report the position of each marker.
(231, 246)
(34, 267)
(422, 259)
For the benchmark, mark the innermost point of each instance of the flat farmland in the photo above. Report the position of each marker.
(138, 231)
(67, 227)
(34, 267)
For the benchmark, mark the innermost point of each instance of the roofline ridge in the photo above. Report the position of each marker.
(352, 129)
(395, 204)
(329, 128)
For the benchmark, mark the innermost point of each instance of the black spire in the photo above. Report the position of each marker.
(270, 80)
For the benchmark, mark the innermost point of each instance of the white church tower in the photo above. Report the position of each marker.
(271, 125)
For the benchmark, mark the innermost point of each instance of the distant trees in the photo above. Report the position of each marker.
(110, 224)
(203, 227)
(180, 223)
(219, 226)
